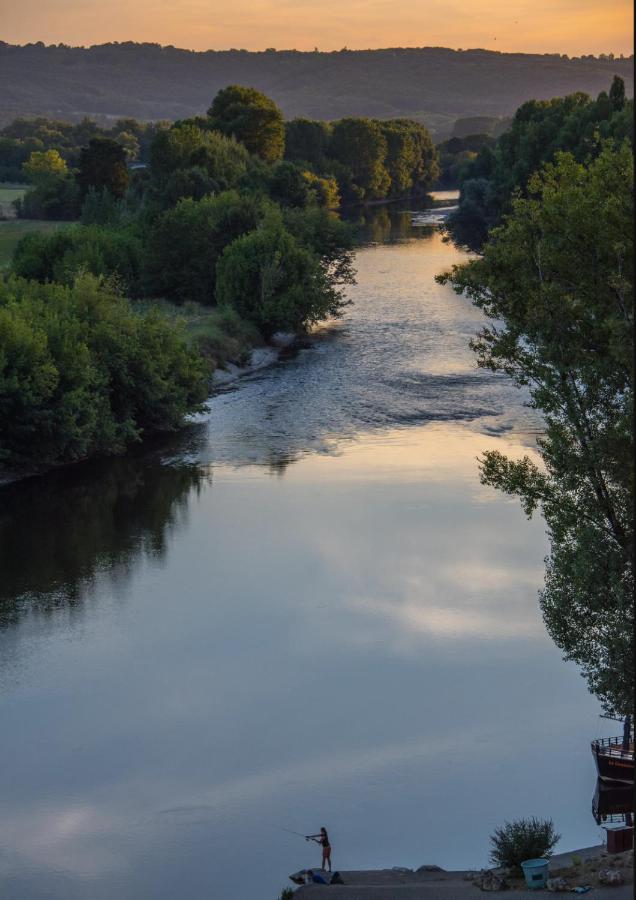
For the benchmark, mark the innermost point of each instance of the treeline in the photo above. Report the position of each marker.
(24, 136)
(217, 218)
(555, 282)
(351, 160)
(540, 129)
(369, 159)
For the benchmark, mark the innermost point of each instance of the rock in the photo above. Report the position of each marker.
(558, 885)
(489, 881)
(611, 876)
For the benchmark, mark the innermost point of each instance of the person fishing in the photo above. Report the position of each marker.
(323, 840)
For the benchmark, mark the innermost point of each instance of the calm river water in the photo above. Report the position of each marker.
(304, 611)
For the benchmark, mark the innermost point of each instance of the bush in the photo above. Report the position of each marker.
(268, 278)
(62, 255)
(83, 375)
(185, 243)
(524, 839)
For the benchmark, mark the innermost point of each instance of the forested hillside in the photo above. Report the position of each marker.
(433, 85)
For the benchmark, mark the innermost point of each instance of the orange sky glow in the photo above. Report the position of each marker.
(531, 26)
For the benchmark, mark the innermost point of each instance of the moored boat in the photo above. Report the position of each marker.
(614, 756)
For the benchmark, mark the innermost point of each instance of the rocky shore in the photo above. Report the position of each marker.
(589, 867)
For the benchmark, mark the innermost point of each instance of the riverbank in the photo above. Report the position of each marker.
(576, 868)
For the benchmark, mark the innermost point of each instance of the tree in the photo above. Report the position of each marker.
(411, 158)
(555, 281)
(274, 282)
(307, 140)
(252, 118)
(102, 165)
(540, 129)
(184, 244)
(617, 94)
(187, 146)
(44, 167)
(360, 145)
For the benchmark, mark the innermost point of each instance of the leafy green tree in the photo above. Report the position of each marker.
(307, 140)
(82, 375)
(187, 147)
(252, 118)
(102, 165)
(411, 159)
(555, 281)
(184, 244)
(360, 146)
(539, 130)
(289, 186)
(617, 94)
(274, 282)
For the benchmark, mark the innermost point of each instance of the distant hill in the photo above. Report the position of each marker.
(432, 84)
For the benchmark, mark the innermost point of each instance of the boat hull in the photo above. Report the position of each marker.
(614, 765)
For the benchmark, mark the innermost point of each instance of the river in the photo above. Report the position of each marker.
(305, 610)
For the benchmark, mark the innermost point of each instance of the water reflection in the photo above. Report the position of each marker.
(387, 225)
(613, 804)
(58, 531)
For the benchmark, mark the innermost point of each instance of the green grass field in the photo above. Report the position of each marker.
(10, 192)
(13, 229)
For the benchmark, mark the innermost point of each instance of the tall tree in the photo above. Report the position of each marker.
(252, 118)
(555, 281)
(103, 166)
(359, 145)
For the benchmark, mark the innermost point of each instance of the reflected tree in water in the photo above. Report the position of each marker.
(58, 533)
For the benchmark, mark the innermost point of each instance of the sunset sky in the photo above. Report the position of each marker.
(541, 26)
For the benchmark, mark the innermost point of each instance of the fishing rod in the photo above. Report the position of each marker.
(297, 833)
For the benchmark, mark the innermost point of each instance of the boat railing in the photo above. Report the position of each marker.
(612, 747)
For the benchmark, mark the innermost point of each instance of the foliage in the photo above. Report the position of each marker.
(457, 154)
(82, 375)
(60, 256)
(435, 85)
(23, 136)
(411, 158)
(307, 140)
(286, 894)
(100, 207)
(290, 184)
(54, 198)
(102, 166)
(541, 129)
(521, 840)
(44, 166)
(555, 281)
(252, 118)
(187, 146)
(184, 244)
(268, 278)
(360, 145)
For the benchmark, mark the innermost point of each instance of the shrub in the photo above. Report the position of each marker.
(185, 243)
(286, 894)
(268, 278)
(524, 839)
(83, 375)
(62, 255)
